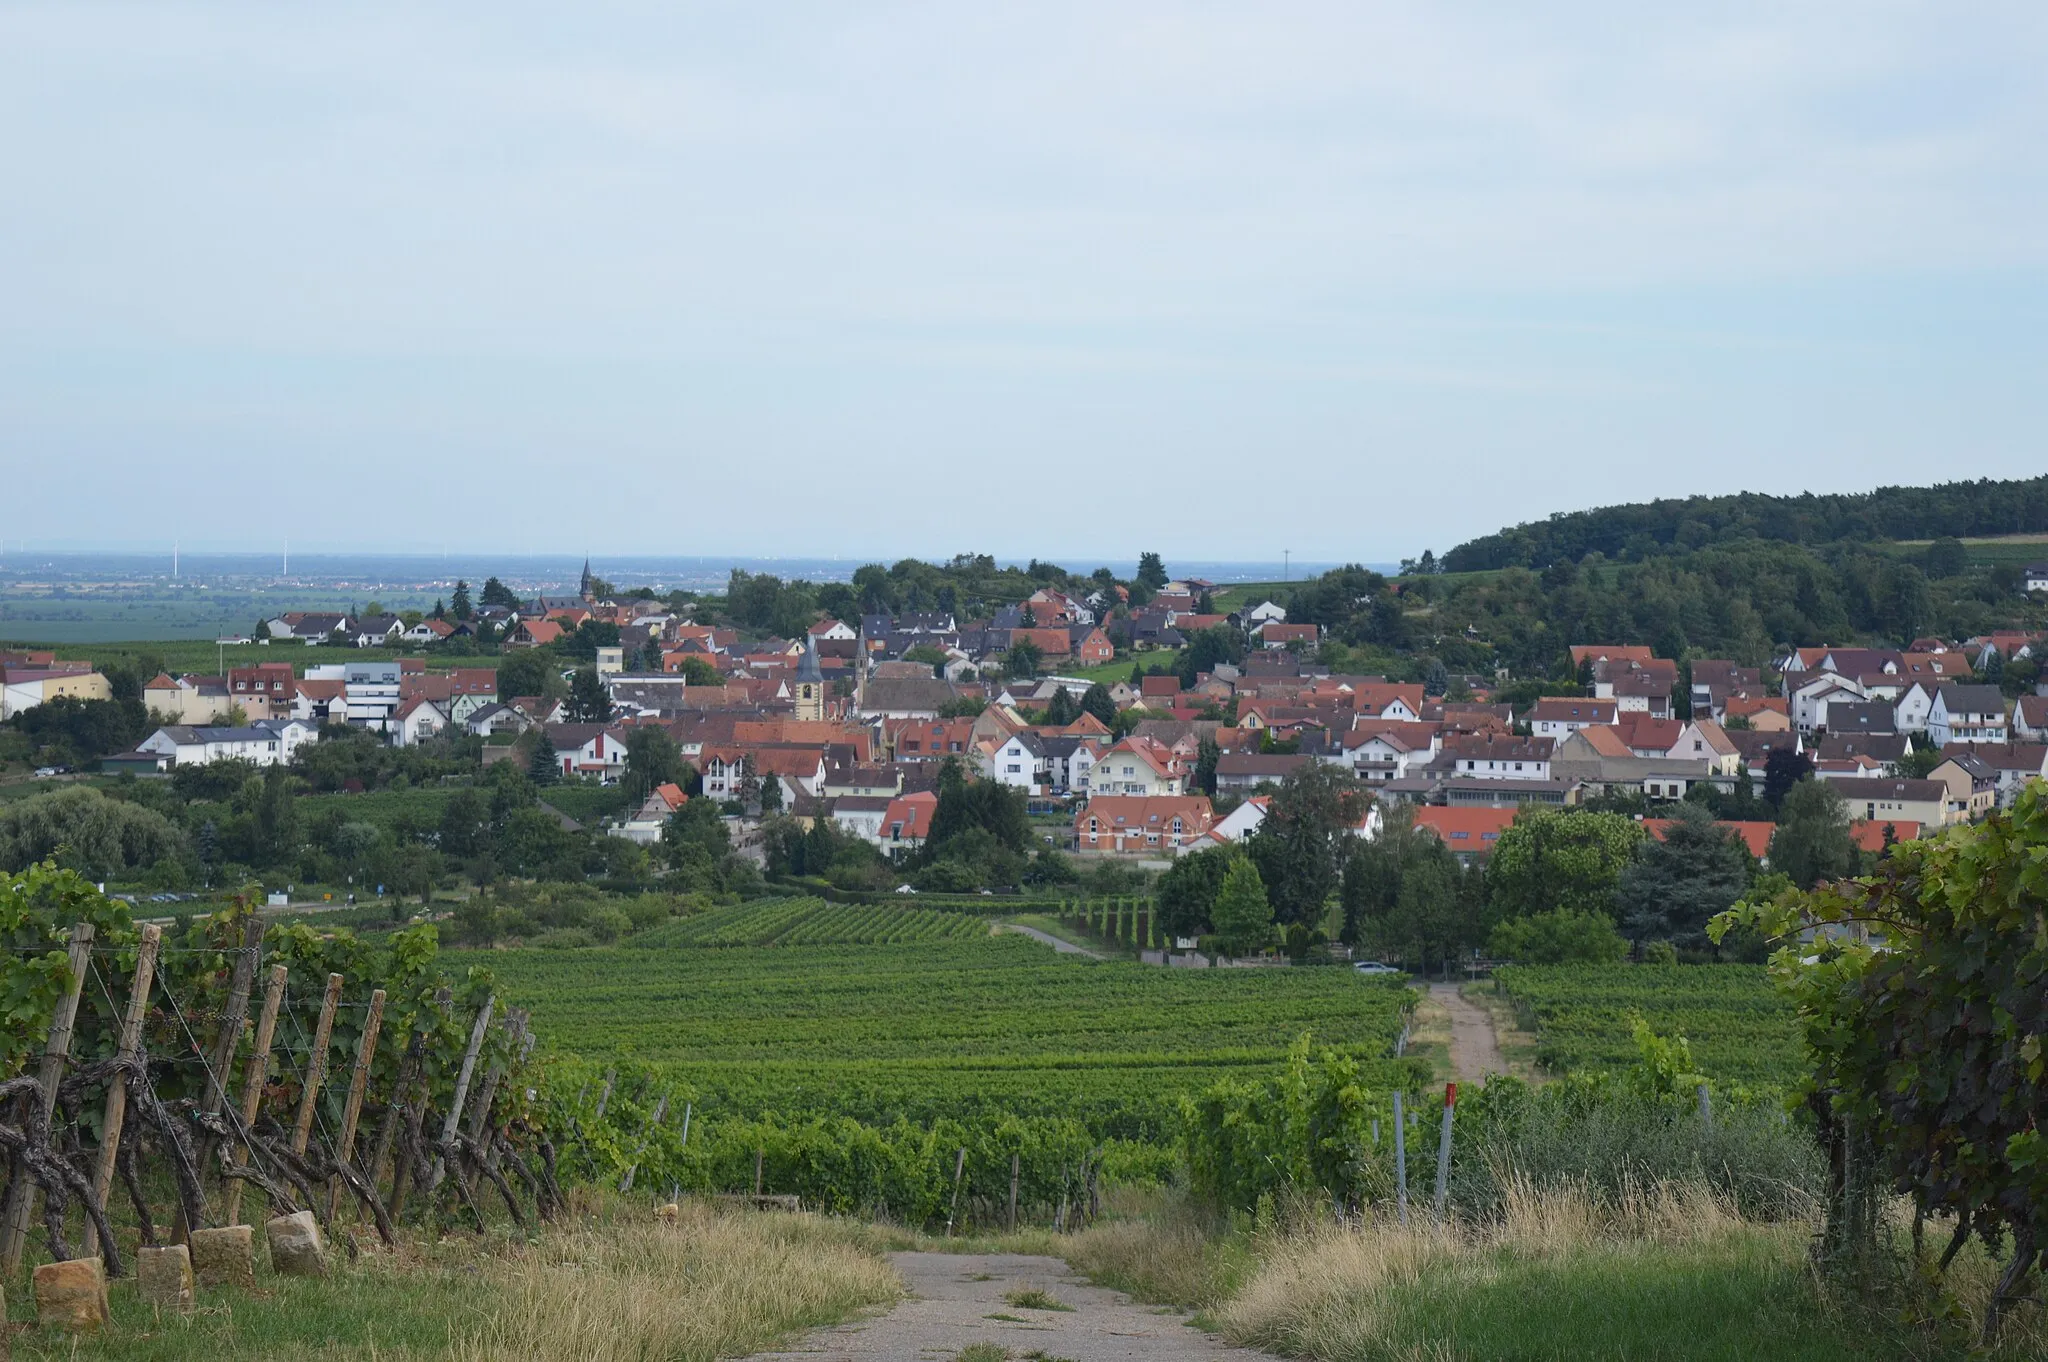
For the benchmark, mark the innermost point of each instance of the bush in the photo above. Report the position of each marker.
(1558, 938)
(565, 939)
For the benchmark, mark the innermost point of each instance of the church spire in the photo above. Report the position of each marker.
(583, 586)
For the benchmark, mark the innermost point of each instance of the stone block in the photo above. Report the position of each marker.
(72, 1295)
(225, 1256)
(295, 1247)
(164, 1277)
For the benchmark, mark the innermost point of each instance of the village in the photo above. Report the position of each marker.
(1132, 732)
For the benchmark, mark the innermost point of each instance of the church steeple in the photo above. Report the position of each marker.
(809, 692)
(583, 585)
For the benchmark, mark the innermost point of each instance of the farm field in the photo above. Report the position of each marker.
(942, 1019)
(203, 655)
(1740, 1030)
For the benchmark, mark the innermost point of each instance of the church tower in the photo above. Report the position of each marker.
(809, 688)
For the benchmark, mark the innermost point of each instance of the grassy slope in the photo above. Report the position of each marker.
(607, 1288)
(1667, 1278)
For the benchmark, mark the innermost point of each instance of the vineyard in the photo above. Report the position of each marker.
(1741, 1030)
(930, 1017)
(811, 922)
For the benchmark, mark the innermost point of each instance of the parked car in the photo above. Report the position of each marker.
(906, 889)
(45, 772)
(1374, 967)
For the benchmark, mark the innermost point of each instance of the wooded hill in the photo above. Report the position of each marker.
(1955, 509)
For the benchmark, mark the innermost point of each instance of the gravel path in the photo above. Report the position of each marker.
(1047, 938)
(953, 1297)
(1475, 1049)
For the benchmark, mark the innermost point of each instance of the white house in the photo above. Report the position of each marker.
(589, 750)
(1019, 763)
(271, 742)
(376, 631)
(644, 825)
(415, 721)
(1137, 766)
(862, 815)
(1265, 612)
(2037, 577)
(495, 718)
(373, 692)
(1968, 714)
(1810, 699)
(1387, 754)
(1556, 716)
(1499, 756)
(1915, 703)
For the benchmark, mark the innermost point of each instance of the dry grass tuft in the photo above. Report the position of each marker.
(1322, 1291)
(1163, 1251)
(711, 1284)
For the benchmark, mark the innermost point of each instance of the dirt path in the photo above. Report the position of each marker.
(1047, 938)
(959, 1299)
(1475, 1050)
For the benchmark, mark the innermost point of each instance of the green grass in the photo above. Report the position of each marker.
(1034, 1298)
(204, 656)
(1119, 669)
(374, 1308)
(1746, 1299)
(982, 1352)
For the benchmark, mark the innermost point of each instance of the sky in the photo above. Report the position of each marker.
(1350, 280)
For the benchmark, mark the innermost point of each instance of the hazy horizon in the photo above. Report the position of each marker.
(1350, 280)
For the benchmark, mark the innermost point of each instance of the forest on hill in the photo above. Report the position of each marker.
(1636, 531)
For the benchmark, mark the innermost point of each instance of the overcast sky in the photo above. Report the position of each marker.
(1350, 279)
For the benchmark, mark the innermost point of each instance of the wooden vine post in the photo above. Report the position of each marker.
(959, 1167)
(316, 1065)
(116, 1111)
(454, 1121)
(21, 1192)
(225, 1044)
(366, 1052)
(253, 1079)
(480, 1119)
(413, 1097)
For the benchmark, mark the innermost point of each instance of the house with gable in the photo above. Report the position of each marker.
(1554, 716)
(1142, 823)
(415, 721)
(1968, 714)
(1138, 766)
(644, 825)
(1495, 756)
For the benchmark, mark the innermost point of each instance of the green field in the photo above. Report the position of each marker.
(203, 655)
(1740, 1028)
(954, 1022)
(96, 612)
